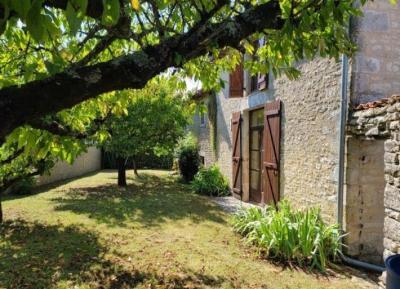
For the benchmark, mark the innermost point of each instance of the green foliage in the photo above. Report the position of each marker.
(289, 235)
(210, 181)
(212, 111)
(187, 154)
(155, 119)
(145, 161)
(24, 187)
(39, 40)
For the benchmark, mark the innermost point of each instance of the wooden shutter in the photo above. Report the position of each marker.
(236, 153)
(236, 80)
(271, 157)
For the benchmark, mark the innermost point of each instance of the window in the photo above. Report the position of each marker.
(236, 82)
(259, 81)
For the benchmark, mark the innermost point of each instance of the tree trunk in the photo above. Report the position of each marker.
(1, 210)
(121, 172)
(135, 171)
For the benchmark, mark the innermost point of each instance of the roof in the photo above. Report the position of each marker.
(378, 103)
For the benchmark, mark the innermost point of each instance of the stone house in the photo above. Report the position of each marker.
(324, 139)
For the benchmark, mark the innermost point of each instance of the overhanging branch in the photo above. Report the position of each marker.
(24, 104)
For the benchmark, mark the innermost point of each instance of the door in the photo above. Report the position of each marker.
(256, 154)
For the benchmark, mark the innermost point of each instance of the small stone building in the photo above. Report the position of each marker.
(276, 138)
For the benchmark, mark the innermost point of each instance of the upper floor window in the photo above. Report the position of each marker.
(255, 83)
(260, 80)
(236, 82)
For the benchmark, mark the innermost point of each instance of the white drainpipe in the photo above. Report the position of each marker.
(342, 141)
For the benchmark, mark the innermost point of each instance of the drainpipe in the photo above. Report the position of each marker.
(342, 141)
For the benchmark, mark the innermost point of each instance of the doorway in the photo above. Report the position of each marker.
(256, 152)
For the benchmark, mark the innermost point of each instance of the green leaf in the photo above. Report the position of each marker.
(21, 7)
(75, 13)
(72, 17)
(35, 22)
(111, 12)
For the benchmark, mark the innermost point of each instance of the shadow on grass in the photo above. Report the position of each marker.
(34, 255)
(333, 269)
(149, 200)
(46, 187)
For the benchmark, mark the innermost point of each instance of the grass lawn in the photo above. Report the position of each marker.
(88, 233)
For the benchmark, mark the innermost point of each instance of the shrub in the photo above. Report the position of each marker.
(210, 181)
(289, 235)
(187, 154)
(24, 186)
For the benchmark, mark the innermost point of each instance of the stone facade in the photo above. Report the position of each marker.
(375, 124)
(310, 135)
(309, 145)
(364, 194)
(376, 66)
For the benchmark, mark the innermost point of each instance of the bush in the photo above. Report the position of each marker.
(210, 181)
(24, 186)
(292, 236)
(187, 154)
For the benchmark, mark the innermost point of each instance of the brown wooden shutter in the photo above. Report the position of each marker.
(236, 82)
(271, 157)
(236, 153)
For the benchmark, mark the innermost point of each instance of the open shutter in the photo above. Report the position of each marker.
(271, 157)
(236, 80)
(236, 154)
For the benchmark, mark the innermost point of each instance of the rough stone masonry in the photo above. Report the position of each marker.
(381, 120)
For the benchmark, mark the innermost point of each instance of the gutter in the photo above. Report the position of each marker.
(342, 141)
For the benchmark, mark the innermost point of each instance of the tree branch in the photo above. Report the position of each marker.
(24, 104)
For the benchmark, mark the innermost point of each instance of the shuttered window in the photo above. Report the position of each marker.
(271, 157)
(236, 154)
(259, 81)
(236, 80)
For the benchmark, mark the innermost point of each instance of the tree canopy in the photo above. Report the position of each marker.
(56, 54)
(156, 118)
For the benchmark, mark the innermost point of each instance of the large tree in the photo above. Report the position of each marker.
(156, 118)
(55, 54)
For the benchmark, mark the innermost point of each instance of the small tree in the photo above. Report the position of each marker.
(155, 119)
(187, 155)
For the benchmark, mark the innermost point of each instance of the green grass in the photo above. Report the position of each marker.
(88, 233)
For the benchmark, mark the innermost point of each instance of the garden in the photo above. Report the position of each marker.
(115, 75)
(153, 233)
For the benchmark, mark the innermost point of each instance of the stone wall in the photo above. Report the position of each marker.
(376, 67)
(310, 135)
(85, 163)
(364, 210)
(310, 122)
(202, 132)
(383, 122)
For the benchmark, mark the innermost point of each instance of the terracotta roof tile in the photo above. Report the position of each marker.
(378, 103)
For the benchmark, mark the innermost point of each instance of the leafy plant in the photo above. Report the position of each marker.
(24, 187)
(210, 181)
(187, 154)
(289, 235)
